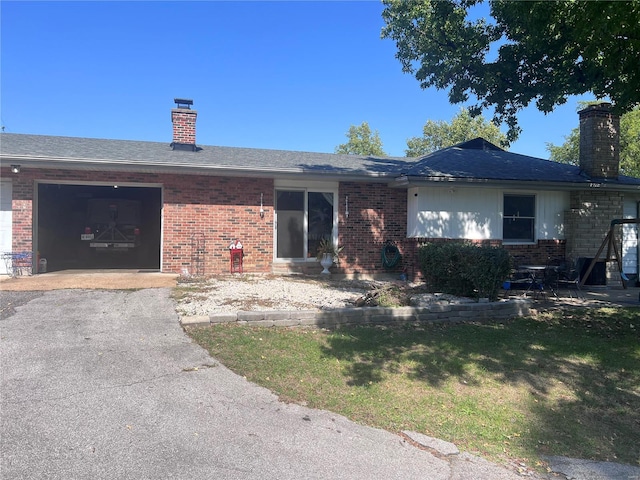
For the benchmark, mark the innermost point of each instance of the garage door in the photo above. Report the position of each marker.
(99, 226)
(5, 220)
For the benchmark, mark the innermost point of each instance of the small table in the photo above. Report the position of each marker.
(537, 276)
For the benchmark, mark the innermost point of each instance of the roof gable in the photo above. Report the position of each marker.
(479, 159)
(478, 143)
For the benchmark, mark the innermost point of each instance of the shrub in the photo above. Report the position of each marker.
(464, 269)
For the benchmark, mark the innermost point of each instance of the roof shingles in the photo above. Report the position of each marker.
(473, 160)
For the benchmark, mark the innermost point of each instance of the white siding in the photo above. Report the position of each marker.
(5, 220)
(476, 213)
(630, 236)
(442, 212)
(550, 208)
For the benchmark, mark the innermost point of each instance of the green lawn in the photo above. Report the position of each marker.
(566, 383)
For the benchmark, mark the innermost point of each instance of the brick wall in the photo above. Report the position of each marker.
(541, 253)
(587, 223)
(22, 217)
(222, 209)
(184, 125)
(599, 141)
(376, 214)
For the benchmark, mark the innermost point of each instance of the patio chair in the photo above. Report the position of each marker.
(569, 279)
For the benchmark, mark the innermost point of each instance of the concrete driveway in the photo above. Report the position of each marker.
(106, 385)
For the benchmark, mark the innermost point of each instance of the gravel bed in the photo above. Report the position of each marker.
(230, 294)
(256, 293)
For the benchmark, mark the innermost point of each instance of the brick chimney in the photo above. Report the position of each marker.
(184, 125)
(599, 142)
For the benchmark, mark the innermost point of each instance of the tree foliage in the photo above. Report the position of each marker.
(630, 143)
(362, 141)
(569, 151)
(527, 52)
(463, 127)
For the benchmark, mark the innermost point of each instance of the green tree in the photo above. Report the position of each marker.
(527, 52)
(569, 151)
(362, 141)
(463, 127)
(630, 143)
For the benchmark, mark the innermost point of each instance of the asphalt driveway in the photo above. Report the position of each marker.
(106, 385)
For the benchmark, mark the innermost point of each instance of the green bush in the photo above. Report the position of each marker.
(464, 269)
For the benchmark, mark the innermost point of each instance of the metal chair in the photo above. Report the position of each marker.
(569, 279)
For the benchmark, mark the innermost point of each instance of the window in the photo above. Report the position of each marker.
(303, 219)
(519, 218)
(320, 220)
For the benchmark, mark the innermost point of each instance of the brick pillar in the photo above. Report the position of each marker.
(22, 218)
(587, 224)
(184, 128)
(599, 141)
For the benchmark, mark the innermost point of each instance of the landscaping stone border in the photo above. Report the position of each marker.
(435, 313)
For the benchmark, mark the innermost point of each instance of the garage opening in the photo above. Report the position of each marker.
(99, 227)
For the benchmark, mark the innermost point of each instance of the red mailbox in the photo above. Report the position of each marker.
(236, 254)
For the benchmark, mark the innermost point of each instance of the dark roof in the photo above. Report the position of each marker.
(474, 161)
(91, 153)
(479, 160)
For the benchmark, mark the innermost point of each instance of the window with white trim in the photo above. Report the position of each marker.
(519, 218)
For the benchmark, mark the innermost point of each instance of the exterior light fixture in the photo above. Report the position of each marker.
(346, 206)
(261, 207)
(15, 169)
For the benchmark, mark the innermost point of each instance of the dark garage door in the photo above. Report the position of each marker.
(62, 218)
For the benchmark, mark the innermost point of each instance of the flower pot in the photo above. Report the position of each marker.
(326, 261)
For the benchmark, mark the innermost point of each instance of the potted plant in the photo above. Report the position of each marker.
(328, 253)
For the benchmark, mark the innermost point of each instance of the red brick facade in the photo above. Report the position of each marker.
(377, 213)
(22, 217)
(184, 125)
(220, 208)
(539, 253)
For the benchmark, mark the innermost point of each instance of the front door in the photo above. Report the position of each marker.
(303, 219)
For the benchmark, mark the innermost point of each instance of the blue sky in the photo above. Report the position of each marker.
(277, 75)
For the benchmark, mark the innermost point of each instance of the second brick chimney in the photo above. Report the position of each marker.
(184, 125)
(599, 142)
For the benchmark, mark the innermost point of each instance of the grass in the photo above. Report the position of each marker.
(563, 383)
